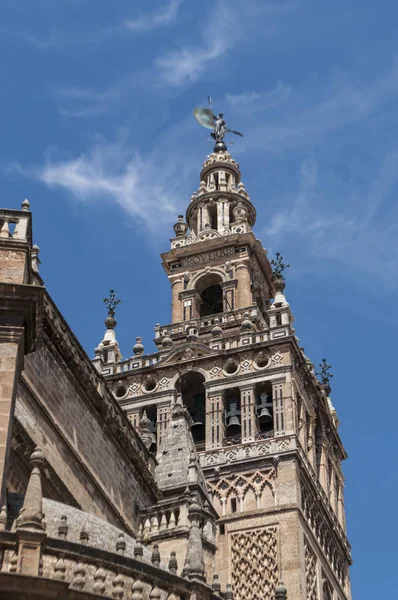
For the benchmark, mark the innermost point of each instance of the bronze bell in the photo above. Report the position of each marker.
(197, 419)
(264, 415)
(232, 420)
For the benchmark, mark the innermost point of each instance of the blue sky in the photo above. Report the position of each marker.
(97, 131)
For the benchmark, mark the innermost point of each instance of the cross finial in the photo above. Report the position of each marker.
(325, 374)
(278, 266)
(111, 303)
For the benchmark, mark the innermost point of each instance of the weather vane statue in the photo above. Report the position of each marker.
(208, 119)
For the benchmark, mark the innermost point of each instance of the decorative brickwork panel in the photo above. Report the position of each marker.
(255, 564)
(310, 572)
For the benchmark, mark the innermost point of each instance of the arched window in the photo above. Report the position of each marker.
(211, 294)
(191, 387)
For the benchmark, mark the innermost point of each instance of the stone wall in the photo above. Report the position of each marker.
(63, 406)
(77, 443)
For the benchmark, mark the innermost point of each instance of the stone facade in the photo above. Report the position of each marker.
(209, 468)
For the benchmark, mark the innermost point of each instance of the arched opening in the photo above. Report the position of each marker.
(265, 412)
(191, 387)
(212, 301)
(151, 413)
(233, 428)
(212, 211)
(211, 294)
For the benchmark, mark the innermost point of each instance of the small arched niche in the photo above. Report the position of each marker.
(191, 387)
(211, 294)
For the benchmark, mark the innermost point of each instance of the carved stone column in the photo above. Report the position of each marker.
(340, 506)
(311, 443)
(302, 423)
(278, 402)
(229, 294)
(190, 304)
(163, 418)
(30, 525)
(244, 294)
(248, 416)
(323, 480)
(332, 489)
(176, 304)
(215, 426)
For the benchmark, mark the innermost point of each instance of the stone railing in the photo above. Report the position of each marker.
(247, 451)
(205, 324)
(72, 554)
(66, 565)
(162, 520)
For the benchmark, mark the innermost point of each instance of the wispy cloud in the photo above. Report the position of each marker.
(317, 109)
(147, 190)
(186, 64)
(344, 222)
(85, 102)
(165, 16)
(58, 38)
(254, 101)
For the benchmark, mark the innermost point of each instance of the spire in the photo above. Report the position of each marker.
(194, 566)
(30, 523)
(178, 461)
(31, 515)
(107, 352)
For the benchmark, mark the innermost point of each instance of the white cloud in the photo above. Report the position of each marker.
(220, 33)
(168, 14)
(85, 102)
(58, 38)
(147, 190)
(343, 222)
(317, 109)
(253, 101)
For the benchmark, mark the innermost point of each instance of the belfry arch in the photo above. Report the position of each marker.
(210, 293)
(191, 387)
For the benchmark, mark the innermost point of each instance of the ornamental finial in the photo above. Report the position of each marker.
(278, 266)
(111, 303)
(325, 374)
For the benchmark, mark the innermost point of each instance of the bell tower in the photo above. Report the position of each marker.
(215, 264)
(263, 426)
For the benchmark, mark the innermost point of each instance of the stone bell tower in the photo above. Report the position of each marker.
(264, 427)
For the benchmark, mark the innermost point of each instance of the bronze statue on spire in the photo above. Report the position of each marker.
(208, 119)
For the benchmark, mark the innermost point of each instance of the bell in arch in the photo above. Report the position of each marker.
(197, 413)
(232, 419)
(263, 413)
